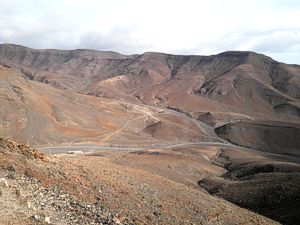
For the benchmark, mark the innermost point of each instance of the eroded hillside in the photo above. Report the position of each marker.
(158, 138)
(114, 97)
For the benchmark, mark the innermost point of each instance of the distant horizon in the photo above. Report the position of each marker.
(167, 53)
(191, 27)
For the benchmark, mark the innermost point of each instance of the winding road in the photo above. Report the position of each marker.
(93, 148)
(217, 141)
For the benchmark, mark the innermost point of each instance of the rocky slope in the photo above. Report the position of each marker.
(267, 184)
(231, 86)
(84, 97)
(38, 114)
(232, 78)
(30, 192)
(159, 186)
(279, 138)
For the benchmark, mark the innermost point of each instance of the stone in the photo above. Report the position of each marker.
(3, 182)
(155, 213)
(117, 221)
(37, 218)
(47, 219)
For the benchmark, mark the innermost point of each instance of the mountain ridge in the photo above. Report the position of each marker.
(179, 135)
(230, 86)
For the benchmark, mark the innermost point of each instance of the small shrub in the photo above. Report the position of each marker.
(11, 176)
(11, 168)
(23, 201)
(18, 193)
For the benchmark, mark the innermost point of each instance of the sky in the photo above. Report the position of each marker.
(270, 27)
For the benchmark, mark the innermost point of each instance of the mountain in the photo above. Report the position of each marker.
(38, 114)
(226, 92)
(159, 138)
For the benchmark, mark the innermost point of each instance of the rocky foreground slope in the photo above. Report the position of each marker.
(32, 191)
(80, 189)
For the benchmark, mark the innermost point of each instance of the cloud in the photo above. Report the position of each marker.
(121, 39)
(135, 26)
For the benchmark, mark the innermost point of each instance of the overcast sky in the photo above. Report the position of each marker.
(271, 27)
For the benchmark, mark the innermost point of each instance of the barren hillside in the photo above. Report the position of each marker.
(213, 90)
(158, 138)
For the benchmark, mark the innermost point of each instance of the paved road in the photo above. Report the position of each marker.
(93, 148)
(83, 148)
(88, 148)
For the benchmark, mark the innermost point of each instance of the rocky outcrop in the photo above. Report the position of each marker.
(279, 138)
(265, 185)
(29, 201)
(13, 148)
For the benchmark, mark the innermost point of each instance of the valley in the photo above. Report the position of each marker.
(157, 138)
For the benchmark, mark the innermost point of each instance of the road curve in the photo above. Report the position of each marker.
(93, 148)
